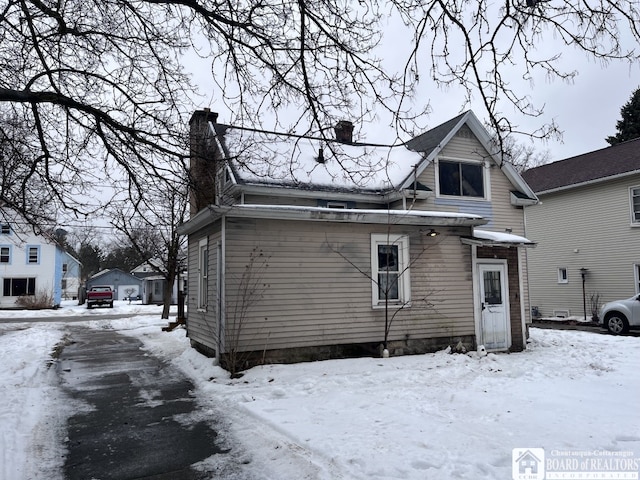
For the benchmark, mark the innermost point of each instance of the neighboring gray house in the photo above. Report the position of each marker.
(292, 258)
(123, 284)
(587, 222)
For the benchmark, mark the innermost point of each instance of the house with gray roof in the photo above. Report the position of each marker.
(303, 248)
(587, 227)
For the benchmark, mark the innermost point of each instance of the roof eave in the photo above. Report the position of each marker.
(481, 242)
(320, 214)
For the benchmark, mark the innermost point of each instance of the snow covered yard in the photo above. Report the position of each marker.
(436, 416)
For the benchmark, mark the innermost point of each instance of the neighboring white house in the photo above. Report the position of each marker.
(32, 264)
(586, 225)
(152, 275)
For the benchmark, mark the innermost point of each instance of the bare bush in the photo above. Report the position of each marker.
(39, 301)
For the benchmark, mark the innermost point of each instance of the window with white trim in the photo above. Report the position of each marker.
(33, 255)
(203, 273)
(390, 270)
(5, 229)
(634, 198)
(461, 179)
(5, 254)
(637, 275)
(563, 276)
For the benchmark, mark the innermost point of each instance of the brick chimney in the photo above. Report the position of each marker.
(344, 131)
(203, 160)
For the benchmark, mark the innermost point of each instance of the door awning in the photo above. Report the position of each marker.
(486, 238)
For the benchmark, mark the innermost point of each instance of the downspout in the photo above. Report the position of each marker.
(521, 261)
(477, 312)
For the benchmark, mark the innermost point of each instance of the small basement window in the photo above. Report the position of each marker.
(562, 275)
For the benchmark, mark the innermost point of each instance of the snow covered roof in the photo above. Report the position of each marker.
(283, 160)
(258, 158)
(497, 239)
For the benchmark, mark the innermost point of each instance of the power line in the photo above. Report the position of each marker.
(310, 137)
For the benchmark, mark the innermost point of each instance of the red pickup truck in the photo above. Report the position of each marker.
(100, 295)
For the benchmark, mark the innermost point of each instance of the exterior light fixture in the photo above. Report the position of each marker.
(432, 233)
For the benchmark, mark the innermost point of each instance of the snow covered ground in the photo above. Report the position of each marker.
(70, 308)
(436, 416)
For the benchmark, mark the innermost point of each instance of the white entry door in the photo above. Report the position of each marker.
(494, 298)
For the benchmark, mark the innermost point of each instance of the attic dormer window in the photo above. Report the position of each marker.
(461, 179)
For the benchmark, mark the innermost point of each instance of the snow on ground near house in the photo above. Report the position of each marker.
(435, 416)
(71, 308)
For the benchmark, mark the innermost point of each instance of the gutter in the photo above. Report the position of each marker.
(323, 214)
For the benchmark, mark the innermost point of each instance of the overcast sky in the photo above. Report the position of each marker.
(586, 110)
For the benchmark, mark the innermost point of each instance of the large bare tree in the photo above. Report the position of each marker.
(96, 91)
(149, 226)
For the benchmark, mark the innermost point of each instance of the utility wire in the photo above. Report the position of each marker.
(310, 137)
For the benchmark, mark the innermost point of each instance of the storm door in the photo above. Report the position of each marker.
(494, 306)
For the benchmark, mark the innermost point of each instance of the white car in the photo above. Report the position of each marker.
(619, 316)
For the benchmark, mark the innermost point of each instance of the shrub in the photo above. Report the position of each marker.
(36, 302)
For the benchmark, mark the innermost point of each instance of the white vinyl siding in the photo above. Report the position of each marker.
(584, 227)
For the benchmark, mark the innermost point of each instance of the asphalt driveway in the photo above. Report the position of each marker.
(141, 420)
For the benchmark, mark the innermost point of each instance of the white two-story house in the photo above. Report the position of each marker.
(34, 264)
(587, 227)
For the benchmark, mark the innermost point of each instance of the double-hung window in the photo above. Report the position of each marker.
(203, 273)
(5, 254)
(5, 229)
(634, 198)
(461, 179)
(33, 255)
(390, 270)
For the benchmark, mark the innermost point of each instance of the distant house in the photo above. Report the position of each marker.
(34, 264)
(123, 284)
(587, 227)
(304, 249)
(152, 274)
